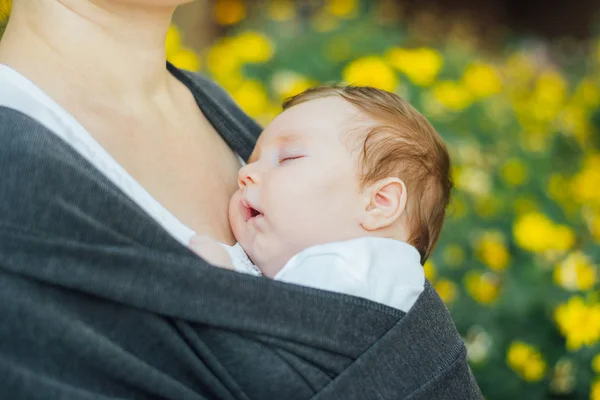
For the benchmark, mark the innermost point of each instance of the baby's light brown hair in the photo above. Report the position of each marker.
(399, 142)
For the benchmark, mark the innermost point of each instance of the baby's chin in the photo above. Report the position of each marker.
(267, 253)
(249, 246)
(266, 256)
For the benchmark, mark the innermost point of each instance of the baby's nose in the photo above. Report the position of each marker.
(247, 176)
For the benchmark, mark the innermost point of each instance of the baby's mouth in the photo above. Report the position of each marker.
(248, 210)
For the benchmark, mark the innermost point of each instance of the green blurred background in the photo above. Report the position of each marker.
(514, 89)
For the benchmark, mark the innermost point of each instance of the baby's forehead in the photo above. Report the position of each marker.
(319, 119)
(281, 137)
(301, 134)
(320, 122)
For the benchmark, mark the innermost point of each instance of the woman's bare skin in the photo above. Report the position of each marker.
(115, 83)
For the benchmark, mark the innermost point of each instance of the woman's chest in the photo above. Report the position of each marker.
(187, 168)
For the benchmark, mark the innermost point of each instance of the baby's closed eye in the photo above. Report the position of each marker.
(289, 158)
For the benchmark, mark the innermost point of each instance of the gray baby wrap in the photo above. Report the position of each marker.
(97, 301)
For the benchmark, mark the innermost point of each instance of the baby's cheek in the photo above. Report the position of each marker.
(235, 217)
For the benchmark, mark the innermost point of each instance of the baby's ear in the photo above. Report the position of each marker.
(385, 201)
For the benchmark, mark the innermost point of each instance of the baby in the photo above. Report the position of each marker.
(345, 191)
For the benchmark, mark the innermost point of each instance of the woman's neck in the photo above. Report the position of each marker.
(75, 47)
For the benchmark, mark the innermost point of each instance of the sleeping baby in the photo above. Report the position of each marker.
(345, 191)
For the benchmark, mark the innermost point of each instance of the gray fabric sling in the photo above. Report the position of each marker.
(97, 301)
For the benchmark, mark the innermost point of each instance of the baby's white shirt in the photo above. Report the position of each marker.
(387, 271)
(240, 260)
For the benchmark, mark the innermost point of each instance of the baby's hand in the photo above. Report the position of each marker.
(211, 251)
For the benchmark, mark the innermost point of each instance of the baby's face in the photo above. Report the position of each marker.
(300, 187)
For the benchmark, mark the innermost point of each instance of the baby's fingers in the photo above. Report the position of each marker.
(211, 251)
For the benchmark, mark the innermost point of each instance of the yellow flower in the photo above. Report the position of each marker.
(562, 238)
(429, 269)
(371, 71)
(281, 10)
(518, 353)
(447, 290)
(172, 41)
(454, 255)
(526, 361)
(221, 58)
(586, 184)
(578, 322)
(484, 288)
(549, 96)
(251, 97)
(342, 8)
(514, 172)
(178, 55)
(575, 119)
(289, 83)
(576, 272)
(253, 47)
(595, 389)
(551, 88)
(456, 172)
(535, 232)
(5, 7)
(492, 251)
(224, 64)
(185, 59)
(534, 370)
(421, 66)
(482, 79)
(452, 95)
(229, 12)
(596, 364)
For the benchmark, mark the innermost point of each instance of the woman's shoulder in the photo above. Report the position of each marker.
(22, 134)
(17, 129)
(30, 152)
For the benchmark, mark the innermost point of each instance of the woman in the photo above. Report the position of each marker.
(109, 162)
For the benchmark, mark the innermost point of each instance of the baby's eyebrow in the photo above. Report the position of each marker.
(290, 137)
